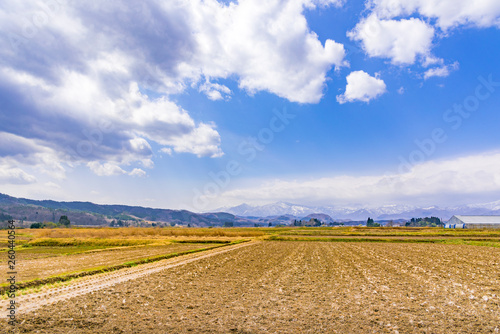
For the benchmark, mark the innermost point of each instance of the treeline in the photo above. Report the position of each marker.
(63, 222)
(424, 222)
(314, 222)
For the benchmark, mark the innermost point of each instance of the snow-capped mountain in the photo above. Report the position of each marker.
(490, 206)
(385, 212)
(274, 209)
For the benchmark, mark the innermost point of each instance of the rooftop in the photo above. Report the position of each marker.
(479, 219)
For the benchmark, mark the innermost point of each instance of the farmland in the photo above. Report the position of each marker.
(285, 280)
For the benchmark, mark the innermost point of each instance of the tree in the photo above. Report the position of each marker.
(315, 222)
(64, 221)
(36, 225)
(423, 222)
(49, 225)
(371, 223)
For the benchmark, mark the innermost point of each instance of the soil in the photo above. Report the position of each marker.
(296, 287)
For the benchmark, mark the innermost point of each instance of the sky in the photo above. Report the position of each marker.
(199, 105)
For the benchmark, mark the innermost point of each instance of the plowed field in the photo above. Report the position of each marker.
(297, 287)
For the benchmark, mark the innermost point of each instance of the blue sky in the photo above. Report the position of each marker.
(204, 104)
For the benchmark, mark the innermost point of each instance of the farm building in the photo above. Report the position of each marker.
(473, 222)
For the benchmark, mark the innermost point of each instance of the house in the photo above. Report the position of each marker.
(472, 222)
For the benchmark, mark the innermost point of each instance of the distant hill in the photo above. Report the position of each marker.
(324, 218)
(356, 213)
(87, 213)
(280, 213)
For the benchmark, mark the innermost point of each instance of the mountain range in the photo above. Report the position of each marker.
(386, 212)
(91, 214)
(87, 213)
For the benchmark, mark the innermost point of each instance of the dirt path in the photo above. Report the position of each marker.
(31, 302)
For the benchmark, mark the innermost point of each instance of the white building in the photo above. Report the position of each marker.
(473, 222)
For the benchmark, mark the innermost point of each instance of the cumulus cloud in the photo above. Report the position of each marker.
(442, 71)
(267, 44)
(137, 172)
(361, 87)
(215, 91)
(106, 169)
(429, 182)
(392, 31)
(93, 83)
(19, 153)
(448, 13)
(13, 175)
(191, 144)
(401, 41)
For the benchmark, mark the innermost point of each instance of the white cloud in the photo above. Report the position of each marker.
(401, 90)
(361, 87)
(199, 142)
(166, 150)
(429, 182)
(401, 41)
(106, 169)
(442, 71)
(52, 185)
(110, 129)
(13, 175)
(215, 91)
(101, 83)
(392, 31)
(137, 172)
(267, 44)
(448, 13)
(430, 60)
(21, 153)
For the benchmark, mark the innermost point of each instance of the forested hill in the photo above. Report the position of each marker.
(87, 213)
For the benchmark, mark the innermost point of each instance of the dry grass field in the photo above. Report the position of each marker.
(33, 265)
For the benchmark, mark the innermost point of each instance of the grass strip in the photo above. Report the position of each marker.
(471, 242)
(392, 240)
(399, 234)
(201, 241)
(93, 271)
(60, 242)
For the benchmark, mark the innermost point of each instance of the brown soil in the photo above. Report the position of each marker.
(297, 287)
